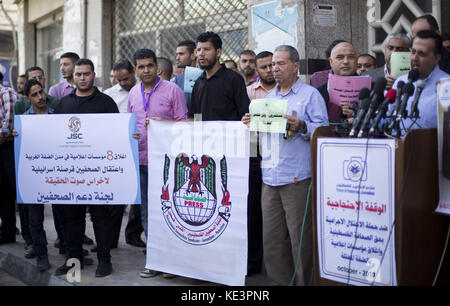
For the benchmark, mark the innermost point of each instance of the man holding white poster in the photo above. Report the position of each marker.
(286, 171)
(87, 99)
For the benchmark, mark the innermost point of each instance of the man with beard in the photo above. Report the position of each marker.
(219, 93)
(66, 64)
(247, 67)
(266, 83)
(257, 90)
(86, 98)
(185, 57)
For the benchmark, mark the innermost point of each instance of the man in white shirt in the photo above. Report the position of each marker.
(124, 74)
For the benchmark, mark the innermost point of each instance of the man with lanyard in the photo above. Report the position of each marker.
(87, 99)
(152, 98)
(125, 76)
(286, 173)
(66, 65)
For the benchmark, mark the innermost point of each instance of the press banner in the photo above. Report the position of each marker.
(197, 197)
(444, 146)
(355, 211)
(77, 159)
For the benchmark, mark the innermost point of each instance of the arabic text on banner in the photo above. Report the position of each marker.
(198, 187)
(444, 146)
(355, 211)
(77, 159)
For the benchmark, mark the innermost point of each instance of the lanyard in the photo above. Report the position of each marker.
(144, 99)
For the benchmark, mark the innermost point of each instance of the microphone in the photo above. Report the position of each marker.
(419, 89)
(364, 104)
(408, 91)
(398, 98)
(413, 76)
(382, 109)
(375, 97)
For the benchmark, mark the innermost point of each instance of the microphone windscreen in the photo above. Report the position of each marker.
(421, 84)
(364, 93)
(380, 86)
(391, 95)
(413, 75)
(400, 85)
(408, 89)
(365, 104)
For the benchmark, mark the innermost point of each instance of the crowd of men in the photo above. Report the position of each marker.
(152, 88)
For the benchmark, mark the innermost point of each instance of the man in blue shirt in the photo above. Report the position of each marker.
(286, 172)
(425, 56)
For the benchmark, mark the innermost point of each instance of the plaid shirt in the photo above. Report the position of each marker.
(7, 99)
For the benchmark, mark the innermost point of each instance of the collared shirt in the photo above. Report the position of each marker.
(31, 111)
(7, 99)
(222, 97)
(427, 105)
(22, 105)
(166, 102)
(61, 90)
(254, 79)
(257, 91)
(289, 160)
(179, 80)
(120, 96)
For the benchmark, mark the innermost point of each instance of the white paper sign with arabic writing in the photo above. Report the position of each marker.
(355, 211)
(77, 159)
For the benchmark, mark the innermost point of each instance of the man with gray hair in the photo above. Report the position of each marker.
(286, 173)
(395, 42)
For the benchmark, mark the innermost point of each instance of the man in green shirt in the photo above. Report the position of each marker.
(22, 105)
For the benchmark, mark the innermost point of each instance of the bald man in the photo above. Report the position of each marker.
(343, 62)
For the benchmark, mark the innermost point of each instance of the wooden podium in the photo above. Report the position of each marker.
(420, 233)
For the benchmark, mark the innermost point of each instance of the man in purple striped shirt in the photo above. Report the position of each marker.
(154, 98)
(66, 65)
(7, 177)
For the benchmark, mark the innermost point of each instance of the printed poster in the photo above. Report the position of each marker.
(198, 187)
(355, 211)
(274, 24)
(77, 159)
(400, 63)
(267, 116)
(444, 146)
(344, 89)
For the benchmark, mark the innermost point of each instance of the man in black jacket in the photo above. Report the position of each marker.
(343, 62)
(87, 99)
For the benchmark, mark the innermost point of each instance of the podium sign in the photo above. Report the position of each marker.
(355, 211)
(444, 146)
